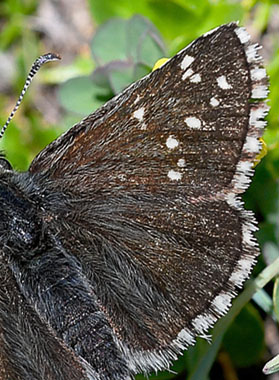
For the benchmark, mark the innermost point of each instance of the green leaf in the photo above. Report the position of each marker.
(141, 70)
(195, 353)
(270, 251)
(115, 76)
(179, 21)
(102, 10)
(177, 15)
(120, 76)
(263, 300)
(81, 96)
(273, 71)
(244, 341)
(137, 45)
(109, 42)
(144, 43)
(17, 151)
(276, 298)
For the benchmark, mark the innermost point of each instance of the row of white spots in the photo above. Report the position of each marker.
(173, 143)
(196, 78)
(189, 73)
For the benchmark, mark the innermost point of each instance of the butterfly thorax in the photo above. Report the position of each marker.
(49, 277)
(20, 225)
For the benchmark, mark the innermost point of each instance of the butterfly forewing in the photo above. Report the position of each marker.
(148, 184)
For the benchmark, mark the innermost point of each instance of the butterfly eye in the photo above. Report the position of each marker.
(4, 164)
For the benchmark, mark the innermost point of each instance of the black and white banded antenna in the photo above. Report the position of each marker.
(34, 69)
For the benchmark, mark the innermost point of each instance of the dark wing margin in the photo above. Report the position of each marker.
(152, 183)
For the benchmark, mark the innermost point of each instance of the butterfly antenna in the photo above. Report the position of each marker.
(34, 69)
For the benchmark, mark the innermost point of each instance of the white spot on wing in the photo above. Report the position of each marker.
(222, 82)
(137, 99)
(172, 142)
(174, 176)
(181, 163)
(214, 102)
(138, 114)
(196, 78)
(186, 62)
(193, 122)
(187, 74)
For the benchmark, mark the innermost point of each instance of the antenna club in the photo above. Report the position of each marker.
(46, 58)
(35, 67)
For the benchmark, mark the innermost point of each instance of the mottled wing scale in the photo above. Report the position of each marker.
(156, 174)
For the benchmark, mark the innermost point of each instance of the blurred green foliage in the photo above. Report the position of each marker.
(131, 37)
(124, 51)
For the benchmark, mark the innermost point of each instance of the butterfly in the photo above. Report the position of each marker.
(127, 238)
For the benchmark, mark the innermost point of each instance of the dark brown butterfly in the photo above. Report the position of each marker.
(127, 238)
